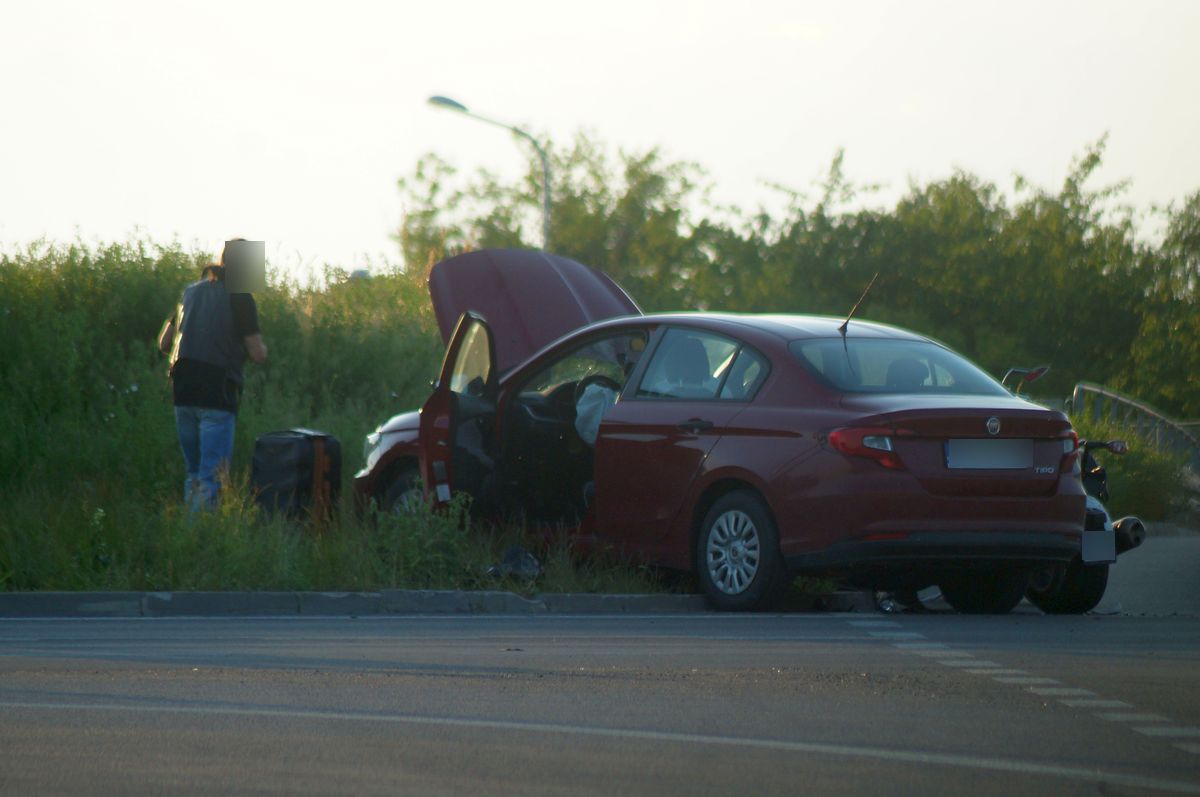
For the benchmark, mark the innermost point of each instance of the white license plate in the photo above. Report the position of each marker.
(989, 454)
(1099, 545)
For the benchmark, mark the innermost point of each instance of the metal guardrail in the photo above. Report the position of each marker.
(1151, 425)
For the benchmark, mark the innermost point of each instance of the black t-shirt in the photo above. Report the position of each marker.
(200, 384)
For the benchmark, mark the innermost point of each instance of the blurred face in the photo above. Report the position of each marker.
(245, 266)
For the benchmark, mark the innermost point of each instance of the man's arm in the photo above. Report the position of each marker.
(166, 337)
(255, 348)
(245, 323)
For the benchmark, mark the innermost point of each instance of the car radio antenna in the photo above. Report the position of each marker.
(854, 309)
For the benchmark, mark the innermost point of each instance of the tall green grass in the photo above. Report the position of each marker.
(91, 476)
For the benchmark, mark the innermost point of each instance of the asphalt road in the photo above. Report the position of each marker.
(1162, 577)
(690, 704)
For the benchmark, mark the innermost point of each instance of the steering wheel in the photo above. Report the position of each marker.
(595, 379)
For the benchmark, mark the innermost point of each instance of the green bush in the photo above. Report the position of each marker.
(1151, 484)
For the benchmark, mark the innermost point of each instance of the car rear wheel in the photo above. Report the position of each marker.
(985, 591)
(737, 555)
(1076, 590)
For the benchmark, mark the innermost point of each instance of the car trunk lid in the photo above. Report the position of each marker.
(972, 445)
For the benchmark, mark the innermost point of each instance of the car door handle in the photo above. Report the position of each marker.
(695, 425)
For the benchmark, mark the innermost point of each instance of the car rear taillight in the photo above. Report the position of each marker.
(1070, 460)
(873, 442)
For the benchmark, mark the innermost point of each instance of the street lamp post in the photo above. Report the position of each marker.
(452, 105)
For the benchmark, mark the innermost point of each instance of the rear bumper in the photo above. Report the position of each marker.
(942, 551)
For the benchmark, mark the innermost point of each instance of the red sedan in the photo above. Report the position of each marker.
(743, 448)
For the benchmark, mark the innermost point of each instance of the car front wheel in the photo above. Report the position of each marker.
(403, 494)
(986, 591)
(737, 555)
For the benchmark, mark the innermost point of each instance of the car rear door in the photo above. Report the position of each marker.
(457, 421)
(654, 441)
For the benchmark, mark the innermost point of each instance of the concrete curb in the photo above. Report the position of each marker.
(332, 604)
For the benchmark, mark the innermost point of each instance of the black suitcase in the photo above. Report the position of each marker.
(297, 471)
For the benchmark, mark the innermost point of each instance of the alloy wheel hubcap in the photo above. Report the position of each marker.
(732, 552)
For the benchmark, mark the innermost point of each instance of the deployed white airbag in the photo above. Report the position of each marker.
(594, 402)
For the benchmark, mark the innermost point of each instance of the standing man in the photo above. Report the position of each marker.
(208, 339)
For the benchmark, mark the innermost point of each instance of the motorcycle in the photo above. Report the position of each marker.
(1077, 587)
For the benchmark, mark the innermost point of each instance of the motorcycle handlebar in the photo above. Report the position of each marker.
(1118, 447)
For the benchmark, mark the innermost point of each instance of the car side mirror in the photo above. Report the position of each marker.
(1118, 447)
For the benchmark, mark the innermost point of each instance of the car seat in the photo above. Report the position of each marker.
(906, 373)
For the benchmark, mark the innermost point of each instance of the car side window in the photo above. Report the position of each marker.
(473, 366)
(748, 372)
(689, 364)
(614, 357)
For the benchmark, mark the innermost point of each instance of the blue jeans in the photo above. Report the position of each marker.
(206, 437)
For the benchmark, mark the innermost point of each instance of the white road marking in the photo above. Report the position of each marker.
(1126, 716)
(1038, 685)
(1171, 732)
(1061, 691)
(967, 663)
(996, 671)
(1086, 775)
(1025, 680)
(836, 637)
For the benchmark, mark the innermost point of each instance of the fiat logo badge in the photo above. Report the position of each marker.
(993, 425)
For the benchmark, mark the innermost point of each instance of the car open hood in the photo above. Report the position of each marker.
(529, 298)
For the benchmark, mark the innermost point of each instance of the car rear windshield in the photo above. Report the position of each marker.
(873, 365)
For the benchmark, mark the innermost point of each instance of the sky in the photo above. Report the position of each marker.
(291, 122)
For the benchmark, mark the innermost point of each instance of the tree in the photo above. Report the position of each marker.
(630, 221)
(1166, 354)
(1057, 277)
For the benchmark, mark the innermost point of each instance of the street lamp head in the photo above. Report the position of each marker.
(446, 102)
(438, 101)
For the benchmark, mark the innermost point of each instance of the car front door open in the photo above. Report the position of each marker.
(458, 420)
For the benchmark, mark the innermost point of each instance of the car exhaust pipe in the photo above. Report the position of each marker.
(1130, 531)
